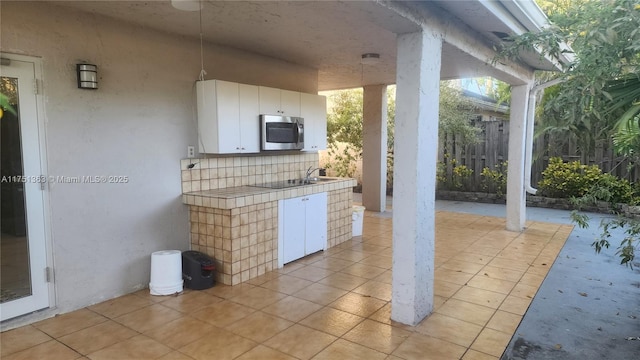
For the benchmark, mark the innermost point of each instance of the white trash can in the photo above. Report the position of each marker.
(357, 218)
(166, 272)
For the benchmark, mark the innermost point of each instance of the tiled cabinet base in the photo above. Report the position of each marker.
(244, 240)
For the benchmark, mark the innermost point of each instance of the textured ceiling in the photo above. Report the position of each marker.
(329, 36)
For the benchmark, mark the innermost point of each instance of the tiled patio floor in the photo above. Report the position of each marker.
(332, 305)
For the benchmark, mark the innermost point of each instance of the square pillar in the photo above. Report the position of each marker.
(414, 184)
(516, 196)
(374, 148)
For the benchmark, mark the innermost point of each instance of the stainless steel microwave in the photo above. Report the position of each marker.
(281, 132)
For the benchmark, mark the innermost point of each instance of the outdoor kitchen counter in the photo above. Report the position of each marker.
(235, 197)
(238, 226)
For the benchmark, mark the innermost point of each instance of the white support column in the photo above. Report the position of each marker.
(416, 146)
(374, 148)
(516, 197)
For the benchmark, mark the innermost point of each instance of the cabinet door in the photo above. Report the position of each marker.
(313, 108)
(228, 117)
(249, 118)
(269, 101)
(316, 222)
(218, 116)
(289, 103)
(293, 240)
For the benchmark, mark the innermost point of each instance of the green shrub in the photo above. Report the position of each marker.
(495, 181)
(565, 180)
(459, 175)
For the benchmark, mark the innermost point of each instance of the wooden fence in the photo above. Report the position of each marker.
(492, 150)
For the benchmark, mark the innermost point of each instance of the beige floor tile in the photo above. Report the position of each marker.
(175, 355)
(20, 339)
(418, 345)
(375, 289)
(481, 297)
(333, 264)
(138, 347)
(483, 250)
(509, 264)
(146, 295)
(300, 341)
(293, 266)
(524, 291)
(452, 276)
(227, 292)
(148, 318)
(385, 277)
(219, 345)
(505, 322)
(473, 258)
(491, 342)
(263, 278)
(292, 308)
(515, 305)
(121, 305)
(258, 297)
(223, 313)
(47, 350)
(358, 304)
(189, 302)
(332, 321)
(486, 283)
(259, 326)
(99, 336)
(180, 332)
(381, 337)
(311, 273)
(501, 273)
(287, 284)
(476, 355)
(343, 281)
(449, 329)
(261, 352)
(343, 349)
(320, 294)
(380, 261)
(464, 266)
(363, 271)
(368, 248)
(71, 322)
(532, 279)
(445, 288)
(463, 310)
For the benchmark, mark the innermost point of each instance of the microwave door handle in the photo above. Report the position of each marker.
(300, 132)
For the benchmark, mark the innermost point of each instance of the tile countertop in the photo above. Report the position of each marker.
(234, 197)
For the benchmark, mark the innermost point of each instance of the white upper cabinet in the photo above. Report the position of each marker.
(313, 109)
(227, 117)
(279, 102)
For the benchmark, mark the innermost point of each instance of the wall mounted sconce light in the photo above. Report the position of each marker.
(87, 76)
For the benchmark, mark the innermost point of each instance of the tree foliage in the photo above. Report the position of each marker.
(597, 97)
(344, 126)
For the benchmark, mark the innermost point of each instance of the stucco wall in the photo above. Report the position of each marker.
(138, 124)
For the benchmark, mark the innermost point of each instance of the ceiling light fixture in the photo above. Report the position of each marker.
(370, 59)
(186, 5)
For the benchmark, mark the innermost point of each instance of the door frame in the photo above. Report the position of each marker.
(42, 142)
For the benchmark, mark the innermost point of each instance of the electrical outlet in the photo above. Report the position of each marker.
(191, 151)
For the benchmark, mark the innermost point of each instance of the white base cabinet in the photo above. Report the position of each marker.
(302, 227)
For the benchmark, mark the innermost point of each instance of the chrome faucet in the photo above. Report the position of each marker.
(310, 171)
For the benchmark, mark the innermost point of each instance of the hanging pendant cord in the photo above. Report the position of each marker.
(202, 71)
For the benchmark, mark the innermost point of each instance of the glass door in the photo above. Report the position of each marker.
(23, 261)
